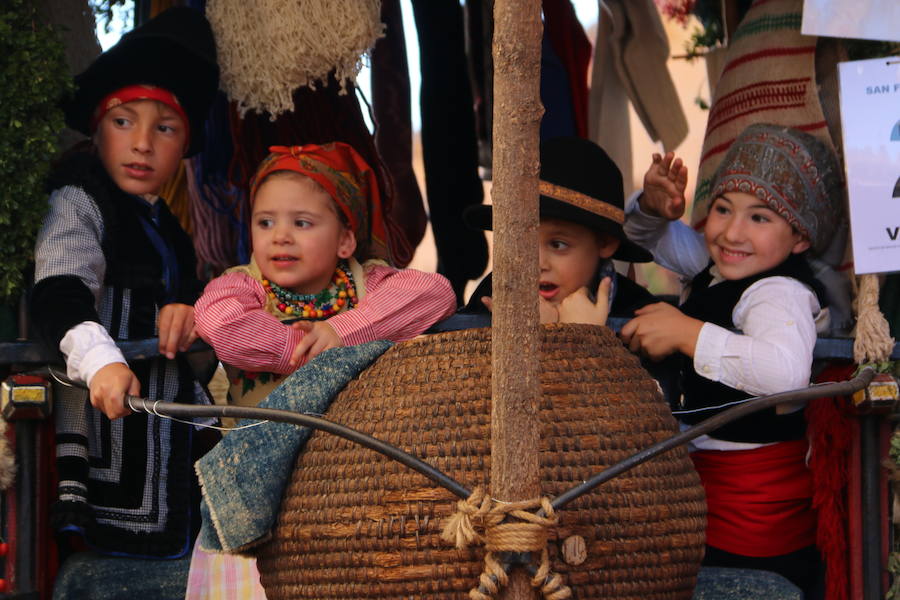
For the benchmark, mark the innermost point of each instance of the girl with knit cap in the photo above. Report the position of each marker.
(747, 327)
(112, 263)
(318, 279)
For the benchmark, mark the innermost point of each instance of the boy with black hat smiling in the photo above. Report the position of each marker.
(112, 263)
(580, 232)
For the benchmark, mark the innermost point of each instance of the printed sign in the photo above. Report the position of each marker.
(864, 19)
(870, 115)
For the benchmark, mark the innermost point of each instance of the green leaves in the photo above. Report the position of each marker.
(33, 77)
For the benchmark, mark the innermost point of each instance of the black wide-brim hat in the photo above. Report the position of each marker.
(580, 183)
(175, 51)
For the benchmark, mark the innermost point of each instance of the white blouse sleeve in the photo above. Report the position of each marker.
(674, 244)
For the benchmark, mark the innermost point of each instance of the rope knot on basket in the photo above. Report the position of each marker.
(506, 527)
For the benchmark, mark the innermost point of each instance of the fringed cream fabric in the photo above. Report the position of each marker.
(269, 48)
(873, 335)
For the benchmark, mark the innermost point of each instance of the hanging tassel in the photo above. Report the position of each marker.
(7, 460)
(873, 343)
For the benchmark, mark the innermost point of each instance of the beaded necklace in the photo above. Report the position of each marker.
(326, 303)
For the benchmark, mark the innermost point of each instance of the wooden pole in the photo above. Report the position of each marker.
(515, 431)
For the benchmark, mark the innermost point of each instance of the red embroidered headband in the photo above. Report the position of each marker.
(132, 93)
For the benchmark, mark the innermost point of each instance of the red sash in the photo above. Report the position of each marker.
(760, 500)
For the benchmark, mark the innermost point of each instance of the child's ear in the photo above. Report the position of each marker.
(801, 244)
(346, 243)
(608, 244)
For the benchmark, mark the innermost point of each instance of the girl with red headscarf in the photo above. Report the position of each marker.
(318, 279)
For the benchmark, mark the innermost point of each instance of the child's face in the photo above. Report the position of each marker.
(569, 255)
(140, 144)
(745, 237)
(297, 235)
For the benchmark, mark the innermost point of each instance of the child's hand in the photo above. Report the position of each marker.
(549, 312)
(319, 337)
(659, 330)
(176, 329)
(664, 185)
(578, 308)
(109, 386)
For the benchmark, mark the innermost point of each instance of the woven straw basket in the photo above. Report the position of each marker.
(354, 524)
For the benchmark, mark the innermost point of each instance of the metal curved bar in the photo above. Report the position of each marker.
(842, 388)
(187, 411)
(169, 409)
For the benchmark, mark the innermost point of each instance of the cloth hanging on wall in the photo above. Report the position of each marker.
(559, 118)
(608, 121)
(573, 49)
(630, 61)
(448, 141)
(632, 43)
(479, 21)
(393, 125)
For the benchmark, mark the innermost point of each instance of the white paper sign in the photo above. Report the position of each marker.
(864, 19)
(870, 115)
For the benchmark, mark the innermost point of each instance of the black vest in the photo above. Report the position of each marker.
(114, 491)
(715, 305)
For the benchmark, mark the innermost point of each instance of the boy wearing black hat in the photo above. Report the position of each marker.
(112, 263)
(580, 232)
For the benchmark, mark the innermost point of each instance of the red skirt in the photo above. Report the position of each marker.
(759, 501)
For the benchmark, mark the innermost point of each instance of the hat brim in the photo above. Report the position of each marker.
(481, 217)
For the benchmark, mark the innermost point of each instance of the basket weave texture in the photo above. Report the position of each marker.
(355, 524)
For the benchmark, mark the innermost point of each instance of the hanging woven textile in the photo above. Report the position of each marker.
(269, 48)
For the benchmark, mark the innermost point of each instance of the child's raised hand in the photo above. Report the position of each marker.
(578, 308)
(548, 312)
(319, 336)
(109, 386)
(176, 329)
(664, 185)
(659, 330)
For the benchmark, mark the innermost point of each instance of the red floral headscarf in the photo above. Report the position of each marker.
(347, 178)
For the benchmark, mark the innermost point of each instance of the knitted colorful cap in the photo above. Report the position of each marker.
(794, 173)
(347, 178)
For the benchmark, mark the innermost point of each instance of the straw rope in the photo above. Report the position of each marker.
(507, 527)
(873, 341)
(269, 48)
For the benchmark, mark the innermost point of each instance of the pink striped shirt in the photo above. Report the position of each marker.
(398, 305)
